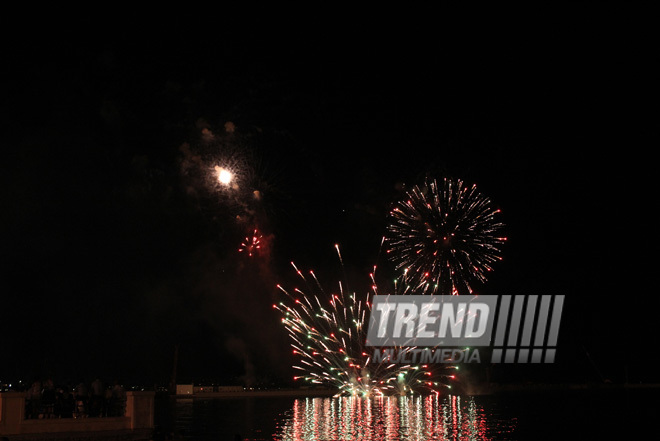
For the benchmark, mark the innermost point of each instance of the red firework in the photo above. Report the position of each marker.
(251, 244)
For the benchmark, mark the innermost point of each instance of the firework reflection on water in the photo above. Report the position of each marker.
(421, 418)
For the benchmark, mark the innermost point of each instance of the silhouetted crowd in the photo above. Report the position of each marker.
(44, 400)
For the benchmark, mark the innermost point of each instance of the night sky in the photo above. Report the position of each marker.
(116, 249)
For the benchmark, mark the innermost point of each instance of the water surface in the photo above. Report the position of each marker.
(556, 415)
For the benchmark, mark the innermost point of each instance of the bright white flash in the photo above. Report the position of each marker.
(224, 176)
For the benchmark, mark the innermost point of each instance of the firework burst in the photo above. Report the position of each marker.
(228, 177)
(444, 237)
(328, 332)
(251, 244)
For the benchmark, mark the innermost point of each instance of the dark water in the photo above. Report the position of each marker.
(616, 415)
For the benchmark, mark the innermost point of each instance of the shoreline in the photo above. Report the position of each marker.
(259, 393)
(490, 389)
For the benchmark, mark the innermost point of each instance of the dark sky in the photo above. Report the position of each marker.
(114, 252)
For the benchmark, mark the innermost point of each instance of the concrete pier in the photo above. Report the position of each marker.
(137, 424)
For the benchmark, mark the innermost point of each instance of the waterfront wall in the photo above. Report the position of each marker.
(136, 424)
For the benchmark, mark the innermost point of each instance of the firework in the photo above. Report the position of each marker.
(251, 244)
(328, 333)
(229, 179)
(224, 175)
(444, 237)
